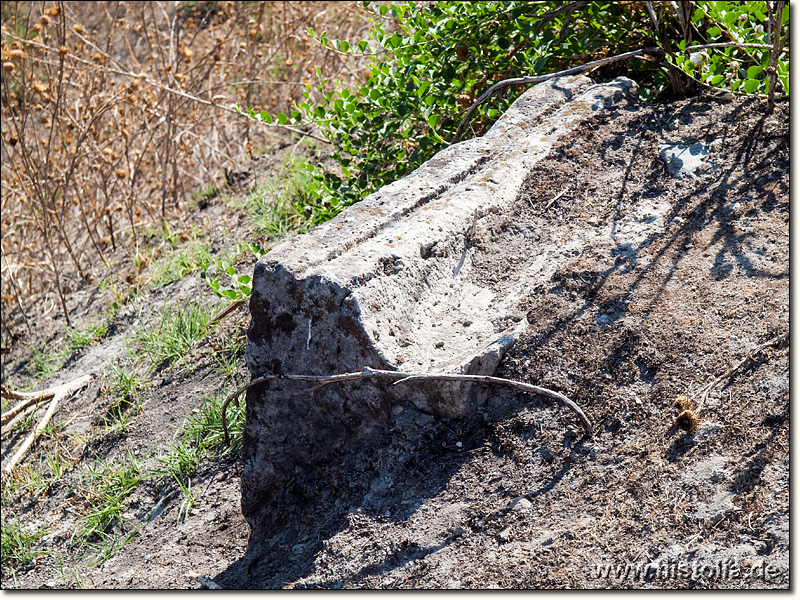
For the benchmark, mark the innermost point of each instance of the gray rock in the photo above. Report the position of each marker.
(683, 160)
(504, 535)
(520, 504)
(390, 284)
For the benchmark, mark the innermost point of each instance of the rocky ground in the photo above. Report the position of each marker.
(514, 496)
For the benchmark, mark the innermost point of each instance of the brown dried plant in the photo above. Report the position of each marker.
(112, 112)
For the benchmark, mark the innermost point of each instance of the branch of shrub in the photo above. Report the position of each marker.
(539, 78)
(400, 377)
(777, 46)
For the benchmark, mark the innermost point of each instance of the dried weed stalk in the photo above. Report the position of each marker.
(113, 111)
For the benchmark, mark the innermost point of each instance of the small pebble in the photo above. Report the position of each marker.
(520, 504)
(504, 535)
(458, 532)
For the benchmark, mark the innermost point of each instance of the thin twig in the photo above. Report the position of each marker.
(169, 90)
(557, 196)
(539, 78)
(59, 393)
(567, 8)
(706, 390)
(730, 45)
(369, 373)
(225, 312)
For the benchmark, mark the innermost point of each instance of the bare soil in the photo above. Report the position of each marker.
(516, 496)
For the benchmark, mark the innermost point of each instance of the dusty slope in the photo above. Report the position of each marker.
(515, 497)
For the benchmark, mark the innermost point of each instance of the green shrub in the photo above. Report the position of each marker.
(430, 61)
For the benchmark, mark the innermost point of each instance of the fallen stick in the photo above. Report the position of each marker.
(58, 393)
(26, 400)
(9, 426)
(225, 312)
(369, 373)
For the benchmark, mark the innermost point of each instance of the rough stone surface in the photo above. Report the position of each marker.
(391, 283)
(684, 160)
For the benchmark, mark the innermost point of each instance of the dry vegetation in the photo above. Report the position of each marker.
(114, 113)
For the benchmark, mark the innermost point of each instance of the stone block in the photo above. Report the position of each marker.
(391, 284)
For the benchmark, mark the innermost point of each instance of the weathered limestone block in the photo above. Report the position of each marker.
(390, 283)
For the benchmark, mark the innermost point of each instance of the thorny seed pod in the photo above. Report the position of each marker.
(463, 100)
(687, 420)
(683, 402)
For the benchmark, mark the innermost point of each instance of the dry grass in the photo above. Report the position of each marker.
(113, 112)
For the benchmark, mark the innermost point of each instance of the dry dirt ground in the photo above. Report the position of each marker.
(517, 497)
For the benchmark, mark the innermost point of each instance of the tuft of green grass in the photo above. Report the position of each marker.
(126, 403)
(105, 488)
(116, 297)
(174, 335)
(109, 545)
(44, 363)
(206, 424)
(57, 463)
(227, 358)
(189, 498)
(80, 338)
(178, 264)
(283, 205)
(182, 459)
(17, 545)
(201, 436)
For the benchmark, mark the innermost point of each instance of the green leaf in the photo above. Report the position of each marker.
(266, 117)
(433, 120)
(243, 279)
(282, 118)
(751, 85)
(754, 71)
